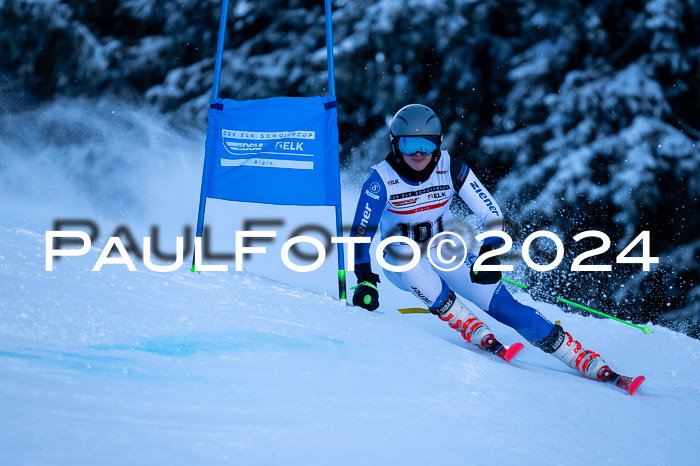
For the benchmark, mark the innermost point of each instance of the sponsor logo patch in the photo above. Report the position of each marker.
(404, 202)
(420, 295)
(365, 217)
(265, 149)
(462, 173)
(432, 189)
(267, 135)
(245, 145)
(437, 195)
(289, 145)
(489, 203)
(447, 306)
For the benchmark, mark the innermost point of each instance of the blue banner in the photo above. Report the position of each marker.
(282, 150)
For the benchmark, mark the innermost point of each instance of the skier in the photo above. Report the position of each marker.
(409, 194)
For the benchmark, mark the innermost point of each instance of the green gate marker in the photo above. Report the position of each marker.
(643, 329)
(341, 284)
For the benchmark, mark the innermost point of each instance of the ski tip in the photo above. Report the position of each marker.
(512, 351)
(636, 383)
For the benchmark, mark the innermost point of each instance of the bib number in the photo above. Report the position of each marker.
(421, 232)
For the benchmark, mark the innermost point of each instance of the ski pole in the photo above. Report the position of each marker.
(514, 283)
(646, 330)
(643, 329)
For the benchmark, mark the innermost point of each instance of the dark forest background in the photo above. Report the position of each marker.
(578, 115)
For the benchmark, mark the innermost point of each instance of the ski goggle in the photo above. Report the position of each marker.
(425, 145)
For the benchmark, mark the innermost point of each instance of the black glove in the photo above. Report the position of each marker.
(484, 277)
(366, 294)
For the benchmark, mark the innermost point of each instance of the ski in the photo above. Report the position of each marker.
(507, 353)
(628, 384)
(490, 344)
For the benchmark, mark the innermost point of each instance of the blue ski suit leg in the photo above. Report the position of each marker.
(498, 303)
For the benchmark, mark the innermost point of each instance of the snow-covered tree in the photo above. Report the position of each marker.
(579, 114)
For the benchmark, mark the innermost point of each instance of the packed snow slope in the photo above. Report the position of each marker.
(119, 367)
(266, 366)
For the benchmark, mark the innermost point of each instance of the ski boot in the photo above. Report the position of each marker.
(562, 345)
(472, 329)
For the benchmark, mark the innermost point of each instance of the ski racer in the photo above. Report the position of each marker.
(409, 194)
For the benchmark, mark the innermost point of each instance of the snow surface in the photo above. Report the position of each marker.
(266, 366)
(119, 367)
